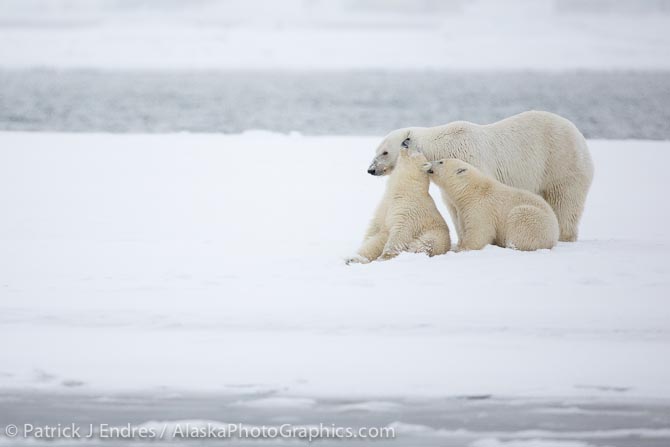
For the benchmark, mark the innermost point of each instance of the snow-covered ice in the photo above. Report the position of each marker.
(213, 263)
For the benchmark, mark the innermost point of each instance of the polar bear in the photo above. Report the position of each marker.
(490, 212)
(407, 218)
(537, 151)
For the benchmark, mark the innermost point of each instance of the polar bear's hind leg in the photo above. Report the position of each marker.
(530, 228)
(567, 200)
(433, 242)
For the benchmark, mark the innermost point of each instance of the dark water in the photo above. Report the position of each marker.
(602, 104)
(615, 423)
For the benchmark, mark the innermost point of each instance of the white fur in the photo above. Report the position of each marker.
(407, 218)
(537, 151)
(492, 213)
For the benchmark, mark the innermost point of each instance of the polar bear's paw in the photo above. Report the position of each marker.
(357, 259)
(389, 254)
(421, 246)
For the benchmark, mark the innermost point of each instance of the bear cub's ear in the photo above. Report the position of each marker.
(460, 170)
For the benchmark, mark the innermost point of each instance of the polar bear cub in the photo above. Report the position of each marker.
(490, 212)
(407, 218)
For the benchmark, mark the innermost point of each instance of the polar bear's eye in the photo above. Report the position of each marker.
(461, 170)
(441, 162)
(385, 153)
(405, 143)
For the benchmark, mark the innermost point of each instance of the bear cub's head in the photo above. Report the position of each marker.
(448, 169)
(410, 158)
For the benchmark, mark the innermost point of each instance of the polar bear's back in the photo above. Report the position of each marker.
(530, 150)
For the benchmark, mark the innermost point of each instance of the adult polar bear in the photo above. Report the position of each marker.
(537, 151)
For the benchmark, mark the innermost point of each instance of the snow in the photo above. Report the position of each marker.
(493, 442)
(514, 35)
(182, 262)
(533, 438)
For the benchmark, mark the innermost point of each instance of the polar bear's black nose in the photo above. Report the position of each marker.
(371, 171)
(430, 171)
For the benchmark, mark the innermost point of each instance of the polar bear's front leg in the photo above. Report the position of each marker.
(472, 243)
(370, 250)
(475, 238)
(399, 239)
